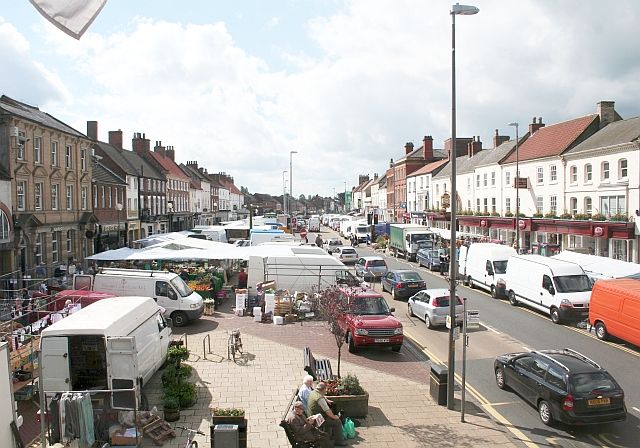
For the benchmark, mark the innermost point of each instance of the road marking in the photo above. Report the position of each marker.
(636, 409)
(490, 328)
(481, 399)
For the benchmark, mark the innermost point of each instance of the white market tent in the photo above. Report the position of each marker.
(600, 267)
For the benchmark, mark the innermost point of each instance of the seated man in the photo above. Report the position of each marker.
(318, 405)
(304, 429)
(305, 390)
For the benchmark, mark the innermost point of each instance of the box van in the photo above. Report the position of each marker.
(181, 304)
(557, 287)
(314, 224)
(485, 265)
(615, 309)
(115, 343)
(259, 236)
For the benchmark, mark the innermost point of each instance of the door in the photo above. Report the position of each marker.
(165, 336)
(55, 363)
(519, 370)
(533, 379)
(122, 360)
(166, 297)
(83, 282)
(488, 273)
(546, 298)
(419, 308)
(387, 282)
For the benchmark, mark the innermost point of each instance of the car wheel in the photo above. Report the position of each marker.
(396, 348)
(601, 331)
(500, 378)
(512, 298)
(179, 319)
(352, 345)
(410, 311)
(470, 282)
(427, 321)
(494, 295)
(544, 411)
(555, 315)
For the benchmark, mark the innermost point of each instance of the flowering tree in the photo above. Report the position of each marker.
(332, 304)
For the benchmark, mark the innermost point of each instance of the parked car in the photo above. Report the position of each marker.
(402, 283)
(429, 258)
(345, 254)
(432, 306)
(331, 244)
(371, 268)
(369, 322)
(563, 385)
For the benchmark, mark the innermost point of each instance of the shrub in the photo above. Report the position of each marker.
(348, 385)
(227, 412)
(171, 402)
(177, 353)
(508, 214)
(619, 217)
(537, 215)
(598, 217)
(550, 215)
(581, 216)
(566, 216)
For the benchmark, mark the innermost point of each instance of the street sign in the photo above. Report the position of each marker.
(473, 319)
(456, 333)
(303, 232)
(448, 321)
(293, 223)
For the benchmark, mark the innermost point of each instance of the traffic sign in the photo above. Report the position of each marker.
(303, 232)
(448, 321)
(473, 319)
(293, 223)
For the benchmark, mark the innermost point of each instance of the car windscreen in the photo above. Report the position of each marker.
(410, 277)
(362, 229)
(368, 306)
(335, 243)
(376, 263)
(348, 250)
(421, 237)
(572, 283)
(500, 267)
(182, 288)
(433, 253)
(592, 382)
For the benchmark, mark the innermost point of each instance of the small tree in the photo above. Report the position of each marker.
(332, 303)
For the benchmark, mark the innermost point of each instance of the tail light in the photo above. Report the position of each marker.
(399, 285)
(435, 303)
(567, 403)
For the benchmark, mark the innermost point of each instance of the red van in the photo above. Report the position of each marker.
(614, 309)
(369, 322)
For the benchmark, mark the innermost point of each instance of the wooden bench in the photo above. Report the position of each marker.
(319, 369)
(289, 431)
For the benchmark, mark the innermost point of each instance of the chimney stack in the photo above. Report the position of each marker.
(607, 112)
(140, 143)
(408, 147)
(92, 130)
(362, 178)
(115, 139)
(170, 153)
(159, 148)
(427, 146)
(533, 127)
(193, 164)
(499, 139)
(474, 146)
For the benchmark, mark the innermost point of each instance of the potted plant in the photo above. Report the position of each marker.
(619, 217)
(565, 215)
(598, 217)
(349, 396)
(171, 405)
(581, 216)
(177, 354)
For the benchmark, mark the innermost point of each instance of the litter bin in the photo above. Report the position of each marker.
(438, 383)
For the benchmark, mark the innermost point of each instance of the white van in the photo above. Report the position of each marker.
(314, 224)
(115, 343)
(485, 265)
(181, 304)
(557, 287)
(259, 236)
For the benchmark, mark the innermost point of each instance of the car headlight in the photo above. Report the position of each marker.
(397, 330)
(194, 305)
(362, 331)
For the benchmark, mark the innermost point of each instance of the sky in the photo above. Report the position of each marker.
(237, 85)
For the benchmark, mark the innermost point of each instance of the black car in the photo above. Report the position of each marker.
(402, 283)
(563, 385)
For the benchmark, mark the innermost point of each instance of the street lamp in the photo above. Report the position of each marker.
(517, 248)
(456, 10)
(119, 209)
(345, 196)
(284, 192)
(291, 153)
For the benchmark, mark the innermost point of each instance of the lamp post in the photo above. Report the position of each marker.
(119, 209)
(456, 10)
(291, 153)
(517, 248)
(345, 196)
(284, 192)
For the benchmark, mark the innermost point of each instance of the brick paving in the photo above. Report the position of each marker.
(401, 412)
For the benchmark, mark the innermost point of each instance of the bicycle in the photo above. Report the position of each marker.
(190, 442)
(234, 344)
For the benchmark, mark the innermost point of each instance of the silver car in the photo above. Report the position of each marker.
(371, 268)
(345, 254)
(432, 306)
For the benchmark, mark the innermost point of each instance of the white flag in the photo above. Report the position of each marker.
(71, 16)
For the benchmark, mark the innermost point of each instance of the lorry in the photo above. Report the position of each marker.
(116, 343)
(368, 321)
(404, 239)
(301, 271)
(180, 303)
(484, 265)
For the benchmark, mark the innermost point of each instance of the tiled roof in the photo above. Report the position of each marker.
(616, 133)
(419, 154)
(104, 175)
(429, 167)
(34, 114)
(130, 162)
(495, 155)
(552, 140)
(169, 166)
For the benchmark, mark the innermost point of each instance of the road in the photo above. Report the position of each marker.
(507, 329)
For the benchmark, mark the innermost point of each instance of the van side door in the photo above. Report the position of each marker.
(488, 273)
(546, 298)
(165, 337)
(166, 297)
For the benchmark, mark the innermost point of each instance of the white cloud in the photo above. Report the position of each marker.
(377, 77)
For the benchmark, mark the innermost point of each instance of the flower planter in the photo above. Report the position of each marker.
(353, 405)
(172, 415)
(228, 420)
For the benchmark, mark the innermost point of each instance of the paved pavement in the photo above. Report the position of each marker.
(401, 412)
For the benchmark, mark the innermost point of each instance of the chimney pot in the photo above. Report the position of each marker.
(535, 125)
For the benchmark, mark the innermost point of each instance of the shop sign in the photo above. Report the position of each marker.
(483, 223)
(522, 224)
(598, 231)
(445, 199)
(521, 183)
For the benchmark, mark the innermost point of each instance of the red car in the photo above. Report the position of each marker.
(369, 322)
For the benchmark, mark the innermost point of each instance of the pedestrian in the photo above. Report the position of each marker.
(305, 390)
(305, 429)
(318, 404)
(368, 239)
(319, 241)
(242, 279)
